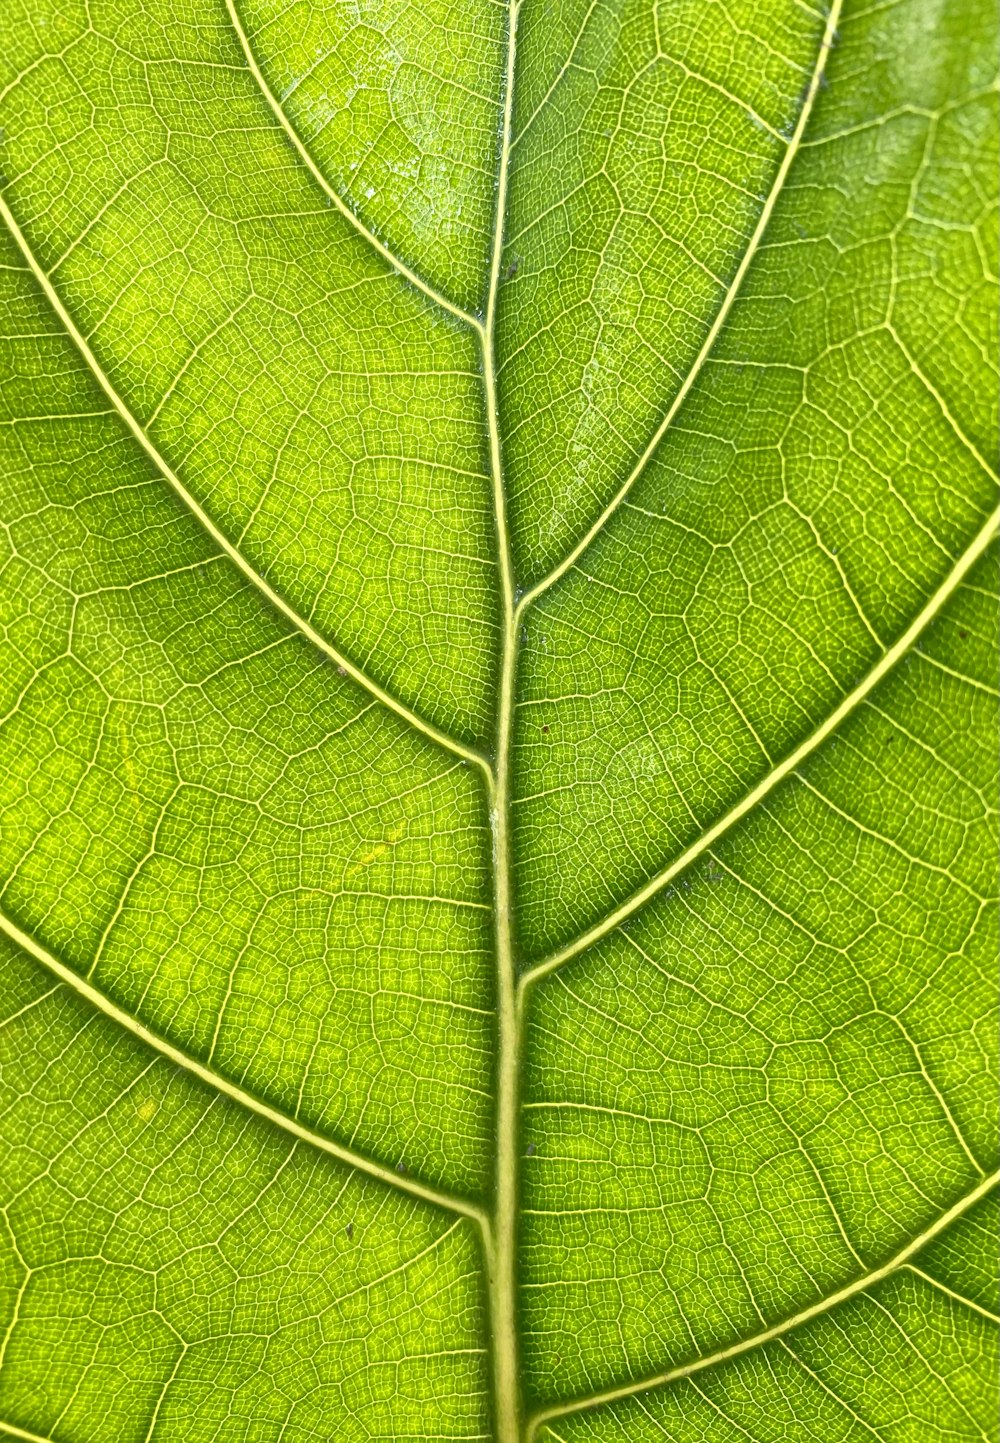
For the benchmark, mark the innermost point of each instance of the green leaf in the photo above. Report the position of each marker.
(498, 726)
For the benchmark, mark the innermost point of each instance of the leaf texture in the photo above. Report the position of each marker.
(498, 721)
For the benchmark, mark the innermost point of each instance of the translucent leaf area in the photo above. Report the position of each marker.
(498, 721)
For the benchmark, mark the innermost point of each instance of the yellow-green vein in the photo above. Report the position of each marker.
(401, 1181)
(418, 723)
(777, 774)
(336, 200)
(777, 1330)
(721, 315)
(502, 1260)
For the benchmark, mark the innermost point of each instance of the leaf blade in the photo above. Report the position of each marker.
(199, 1220)
(742, 1089)
(755, 1079)
(276, 417)
(803, 506)
(187, 788)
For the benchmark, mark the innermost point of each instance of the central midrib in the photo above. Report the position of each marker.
(501, 1241)
(501, 1248)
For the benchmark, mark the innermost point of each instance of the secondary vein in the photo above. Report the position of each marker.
(728, 300)
(777, 1330)
(777, 774)
(959, 1298)
(398, 265)
(400, 1181)
(392, 703)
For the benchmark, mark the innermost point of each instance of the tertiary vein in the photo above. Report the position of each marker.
(361, 677)
(215, 1080)
(777, 774)
(832, 1300)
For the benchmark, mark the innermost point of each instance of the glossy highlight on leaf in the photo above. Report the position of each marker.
(498, 721)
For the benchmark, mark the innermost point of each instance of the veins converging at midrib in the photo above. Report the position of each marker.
(226, 547)
(496, 768)
(483, 328)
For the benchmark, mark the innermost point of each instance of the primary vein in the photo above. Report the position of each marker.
(777, 774)
(728, 300)
(502, 1256)
(218, 1083)
(392, 703)
(11, 1430)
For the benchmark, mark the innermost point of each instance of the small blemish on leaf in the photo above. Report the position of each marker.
(379, 850)
(147, 1110)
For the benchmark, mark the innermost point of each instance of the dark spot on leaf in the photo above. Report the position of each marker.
(544, 729)
(350, 1230)
(531, 1150)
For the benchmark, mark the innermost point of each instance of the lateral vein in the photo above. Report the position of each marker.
(398, 265)
(11, 1430)
(392, 703)
(777, 1330)
(951, 1293)
(721, 315)
(245, 1099)
(777, 774)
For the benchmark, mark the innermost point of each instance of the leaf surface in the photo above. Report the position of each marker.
(498, 721)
